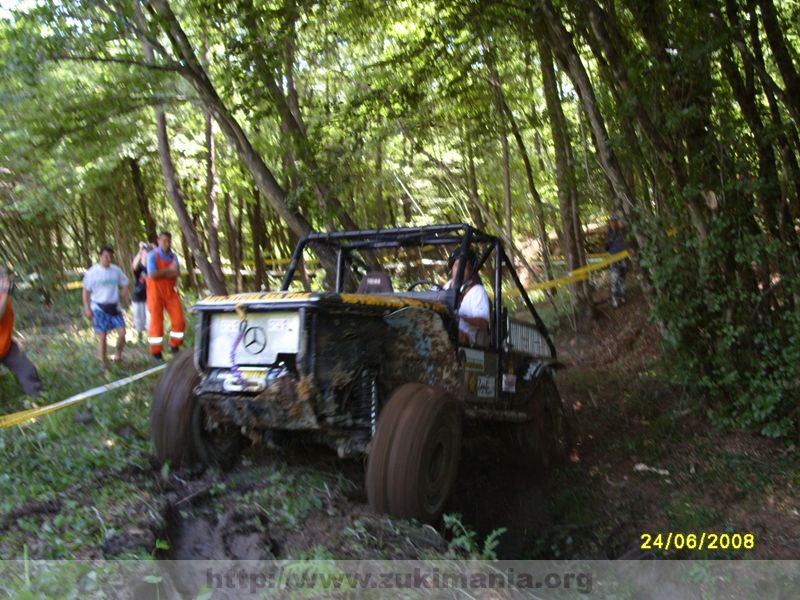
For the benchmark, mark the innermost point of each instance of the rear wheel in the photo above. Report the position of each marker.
(414, 455)
(179, 425)
(545, 439)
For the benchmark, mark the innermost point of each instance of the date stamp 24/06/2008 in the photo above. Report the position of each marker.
(697, 541)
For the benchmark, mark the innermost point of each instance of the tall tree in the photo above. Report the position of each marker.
(213, 277)
(567, 193)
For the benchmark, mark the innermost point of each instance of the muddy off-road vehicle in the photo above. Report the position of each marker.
(370, 372)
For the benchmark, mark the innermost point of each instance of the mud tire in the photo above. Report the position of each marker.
(545, 440)
(414, 455)
(178, 421)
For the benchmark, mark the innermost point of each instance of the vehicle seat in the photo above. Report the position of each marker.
(375, 282)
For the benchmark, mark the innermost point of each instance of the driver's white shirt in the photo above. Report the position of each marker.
(474, 304)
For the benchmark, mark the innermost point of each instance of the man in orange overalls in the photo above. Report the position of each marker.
(162, 293)
(10, 353)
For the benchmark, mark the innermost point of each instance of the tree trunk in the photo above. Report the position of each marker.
(59, 248)
(537, 199)
(240, 241)
(494, 79)
(212, 208)
(256, 227)
(780, 52)
(608, 42)
(287, 106)
(380, 210)
(570, 60)
(188, 259)
(212, 279)
(263, 177)
(472, 184)
(142, 200)
(786, 132)
(567, 193)
(87, 253)
(231, 236)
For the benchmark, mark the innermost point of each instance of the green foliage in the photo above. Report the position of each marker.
(731, 344)
(465, 541)
(58, 452)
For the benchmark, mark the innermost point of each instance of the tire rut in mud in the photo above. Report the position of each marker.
(292, 505)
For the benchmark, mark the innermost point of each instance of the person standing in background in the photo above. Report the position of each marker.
(141, 317)
(615, 243)
(11, 355)
(162, 294)
(104, 286)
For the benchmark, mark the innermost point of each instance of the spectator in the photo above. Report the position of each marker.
(141, 318)
(11, 355)
(615, 243)
(103, 285)
(162, 293)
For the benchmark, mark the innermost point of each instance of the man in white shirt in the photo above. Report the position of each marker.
(102, 285)
(474, 311)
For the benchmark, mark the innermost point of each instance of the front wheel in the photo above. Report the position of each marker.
(414, 455)
(182, 435)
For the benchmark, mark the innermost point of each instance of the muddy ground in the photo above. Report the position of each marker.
(646, 461)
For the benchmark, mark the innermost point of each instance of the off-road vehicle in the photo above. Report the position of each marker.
(372, 372)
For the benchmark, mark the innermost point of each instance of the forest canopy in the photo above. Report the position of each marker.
(244, 125)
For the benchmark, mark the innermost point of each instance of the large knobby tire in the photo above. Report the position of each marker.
(178, 421)
(414, 455)
(545, 439)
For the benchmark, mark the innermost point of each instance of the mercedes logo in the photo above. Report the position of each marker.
(255, 340)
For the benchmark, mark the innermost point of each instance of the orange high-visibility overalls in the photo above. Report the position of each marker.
(6, 329)
(163, 294)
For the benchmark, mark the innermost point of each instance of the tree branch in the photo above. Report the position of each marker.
(173, 67)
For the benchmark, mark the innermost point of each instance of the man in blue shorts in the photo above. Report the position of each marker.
(103, 285)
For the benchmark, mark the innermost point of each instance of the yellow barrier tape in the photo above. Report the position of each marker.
(73, 285)
(20, 417)
(578, 274)
(610, 258)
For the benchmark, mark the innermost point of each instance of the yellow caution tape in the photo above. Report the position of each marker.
(74, 285)
(609, 259)
(578, 274)
(26, 415)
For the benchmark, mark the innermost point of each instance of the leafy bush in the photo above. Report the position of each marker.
(730, 340)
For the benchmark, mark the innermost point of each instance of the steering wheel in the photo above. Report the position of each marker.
(434, 286)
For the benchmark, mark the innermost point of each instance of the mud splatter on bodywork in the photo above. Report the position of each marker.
(353, 356)
(421, 351)
(287, 403)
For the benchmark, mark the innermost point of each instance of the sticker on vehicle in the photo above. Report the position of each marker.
(473, 359)
(485, 386)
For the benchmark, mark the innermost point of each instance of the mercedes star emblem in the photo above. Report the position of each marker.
(255, 340)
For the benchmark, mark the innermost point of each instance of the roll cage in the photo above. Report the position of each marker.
(343, 243)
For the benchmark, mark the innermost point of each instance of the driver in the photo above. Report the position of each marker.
(473, 324)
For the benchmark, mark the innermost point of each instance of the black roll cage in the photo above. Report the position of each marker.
(459, 234)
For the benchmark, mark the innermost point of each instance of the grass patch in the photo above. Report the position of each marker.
(289, 497)
(74, 464)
